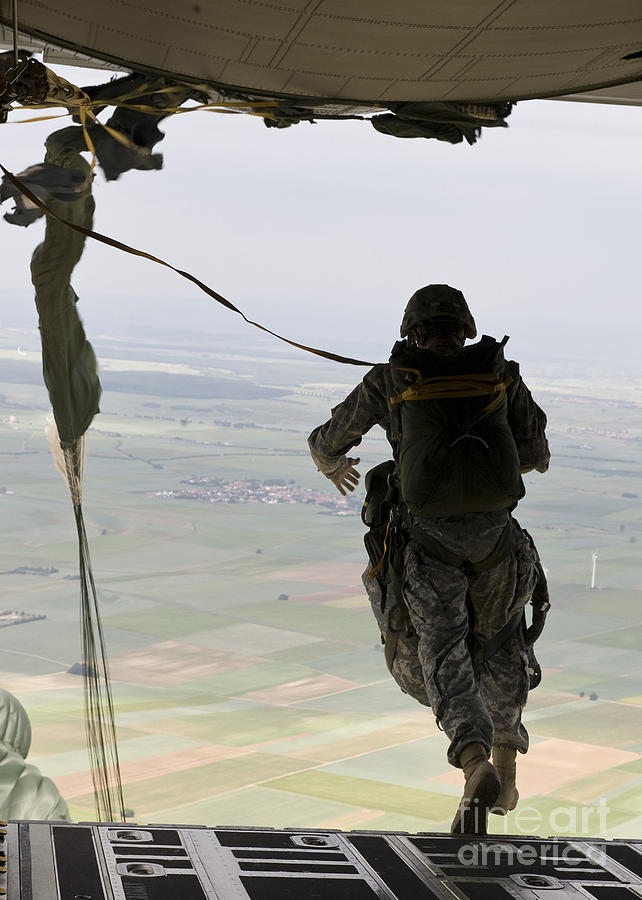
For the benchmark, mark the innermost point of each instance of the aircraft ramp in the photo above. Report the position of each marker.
(58, 861)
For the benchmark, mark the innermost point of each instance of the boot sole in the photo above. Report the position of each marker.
(502, 810)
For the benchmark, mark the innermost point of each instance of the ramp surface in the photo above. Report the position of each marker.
(50, 861)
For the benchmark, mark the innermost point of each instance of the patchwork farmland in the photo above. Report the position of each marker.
(249, 679)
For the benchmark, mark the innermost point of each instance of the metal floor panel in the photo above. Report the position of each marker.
(56, 861)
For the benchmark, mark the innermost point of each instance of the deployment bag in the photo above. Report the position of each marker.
(457, 452)
(385, 539)
(382, 497)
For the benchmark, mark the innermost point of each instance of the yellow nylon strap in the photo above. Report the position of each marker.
(372, 573)
(80, 104)
(229, 109)
(494, 403)
(501, 391)
(83, 107)
(451, 387)
(222, 106)
(82, 111)
(112, 242)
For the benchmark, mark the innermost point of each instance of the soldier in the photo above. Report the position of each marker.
(463, 427)
(24, 792)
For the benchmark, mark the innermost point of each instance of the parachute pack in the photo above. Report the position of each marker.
(457, 453)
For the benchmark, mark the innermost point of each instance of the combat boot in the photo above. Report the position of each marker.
(480, 791)
(504, 762)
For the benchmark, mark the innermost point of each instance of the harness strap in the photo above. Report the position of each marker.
(372, 573)
(489, 648)
(448, 387)
(541, 605)
(503, 548)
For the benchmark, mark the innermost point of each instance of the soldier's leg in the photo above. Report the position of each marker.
(504, 687)
(435, 594)
(496, 595)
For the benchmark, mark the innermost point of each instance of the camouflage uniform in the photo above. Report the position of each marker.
(473, 699)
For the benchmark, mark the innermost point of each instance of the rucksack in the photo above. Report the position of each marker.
(457, 452)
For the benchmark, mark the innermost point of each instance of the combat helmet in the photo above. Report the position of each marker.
(438, 301)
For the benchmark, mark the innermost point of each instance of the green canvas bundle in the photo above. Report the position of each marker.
(457, 454)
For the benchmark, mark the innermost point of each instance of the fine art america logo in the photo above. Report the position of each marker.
(524, 854)
(577, 823)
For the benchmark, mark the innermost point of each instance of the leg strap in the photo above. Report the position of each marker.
(489, 648)
(503, 548)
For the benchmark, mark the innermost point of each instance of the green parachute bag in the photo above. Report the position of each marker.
(457, 453)
(71, 376)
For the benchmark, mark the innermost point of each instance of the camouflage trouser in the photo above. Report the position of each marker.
(473, 700)
(406, 668)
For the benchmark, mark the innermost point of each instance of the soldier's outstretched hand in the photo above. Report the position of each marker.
(348, 477)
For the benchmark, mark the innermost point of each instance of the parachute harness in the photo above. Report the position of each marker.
(449, 387)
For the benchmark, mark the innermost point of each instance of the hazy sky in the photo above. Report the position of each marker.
(325, 230)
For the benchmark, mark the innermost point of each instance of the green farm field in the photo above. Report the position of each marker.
(249, 680)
